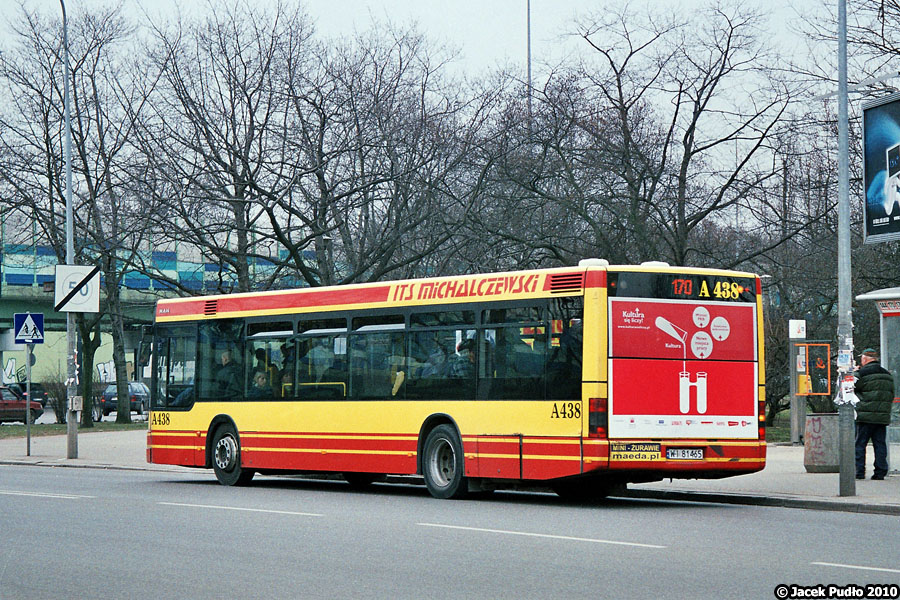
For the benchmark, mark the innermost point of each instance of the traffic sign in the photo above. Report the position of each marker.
(77, 289)
(29, 328)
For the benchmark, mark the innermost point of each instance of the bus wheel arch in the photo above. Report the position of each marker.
(223, 453)
(443, 463)
(430, 423)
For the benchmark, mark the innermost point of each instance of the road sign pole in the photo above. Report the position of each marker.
(28, 350)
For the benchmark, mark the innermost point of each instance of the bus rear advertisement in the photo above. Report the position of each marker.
(581, 379)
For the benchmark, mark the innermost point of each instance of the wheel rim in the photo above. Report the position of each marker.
(226, 452)
(442, 463)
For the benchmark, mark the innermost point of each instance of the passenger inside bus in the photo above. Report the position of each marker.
(260, 387)
(228, 380)
(265, 365)
(462, 364)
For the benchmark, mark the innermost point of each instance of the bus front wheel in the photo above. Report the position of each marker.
(443, 464)
(226, 455)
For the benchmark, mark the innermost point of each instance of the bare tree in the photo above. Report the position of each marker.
(33, 73)
(667, 132)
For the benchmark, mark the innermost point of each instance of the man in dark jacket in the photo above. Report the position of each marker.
(875, 390)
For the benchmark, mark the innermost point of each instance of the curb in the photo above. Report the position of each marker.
(772, 501)
(108, 467)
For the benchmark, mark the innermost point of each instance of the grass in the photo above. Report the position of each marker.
(780, 431)
(16, 431)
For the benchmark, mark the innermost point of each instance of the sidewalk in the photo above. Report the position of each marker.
(784, 481)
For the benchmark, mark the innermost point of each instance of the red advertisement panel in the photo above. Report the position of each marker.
(682, 330)
(675, 399)
(682, 369)
(697, 388)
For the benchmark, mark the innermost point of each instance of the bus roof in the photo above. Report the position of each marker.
(517, 285)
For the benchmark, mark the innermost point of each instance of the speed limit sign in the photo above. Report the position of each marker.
(77, 289)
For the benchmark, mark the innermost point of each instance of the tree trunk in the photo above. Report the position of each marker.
(89, 333)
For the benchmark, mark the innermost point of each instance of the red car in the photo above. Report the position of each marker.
(37, 392)
(12, 407)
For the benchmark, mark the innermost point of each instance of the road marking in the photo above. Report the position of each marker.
(860, 567)
(543, 535)
(44, 495)
(259, 510)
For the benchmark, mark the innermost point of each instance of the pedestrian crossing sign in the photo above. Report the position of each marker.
(28, 328)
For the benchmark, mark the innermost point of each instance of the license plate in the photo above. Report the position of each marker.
(684, 453)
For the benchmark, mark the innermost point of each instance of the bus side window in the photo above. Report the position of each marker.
(442, 364)
(515, 348)
(264, 359)
(513, 367)
(376, 363)
(220, 349)
(377, 352)
(564, 365)
(322, 370)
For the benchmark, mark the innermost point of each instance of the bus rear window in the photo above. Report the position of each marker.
(681, 286)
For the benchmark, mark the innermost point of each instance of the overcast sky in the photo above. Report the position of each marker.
(486, 33)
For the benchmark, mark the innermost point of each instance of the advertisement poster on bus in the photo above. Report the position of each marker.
(682, 369)
(881, 165)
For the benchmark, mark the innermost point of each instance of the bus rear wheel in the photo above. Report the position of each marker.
(442, 464)
(226, 455)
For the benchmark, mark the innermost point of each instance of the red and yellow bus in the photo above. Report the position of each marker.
(581, 379)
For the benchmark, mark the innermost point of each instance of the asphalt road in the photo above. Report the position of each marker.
(77, 533)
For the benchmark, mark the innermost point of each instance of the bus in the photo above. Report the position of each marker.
(580, 379)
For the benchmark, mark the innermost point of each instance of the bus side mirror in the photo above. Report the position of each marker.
(145, 346)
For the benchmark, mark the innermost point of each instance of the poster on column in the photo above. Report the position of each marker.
(682, 369)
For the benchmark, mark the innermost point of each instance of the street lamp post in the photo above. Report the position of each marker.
(847, 482)
(71, 386)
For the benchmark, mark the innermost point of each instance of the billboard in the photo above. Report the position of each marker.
(881, 162)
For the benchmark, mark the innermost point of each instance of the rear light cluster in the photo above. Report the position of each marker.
(762, 420)
(598, 418)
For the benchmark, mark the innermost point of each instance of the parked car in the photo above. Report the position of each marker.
(12, 406)
(138, 392)
(38, 393)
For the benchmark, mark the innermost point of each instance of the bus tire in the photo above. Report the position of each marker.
(443, 464)
(226, 458)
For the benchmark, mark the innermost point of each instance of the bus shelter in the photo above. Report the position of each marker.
(888, 303)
